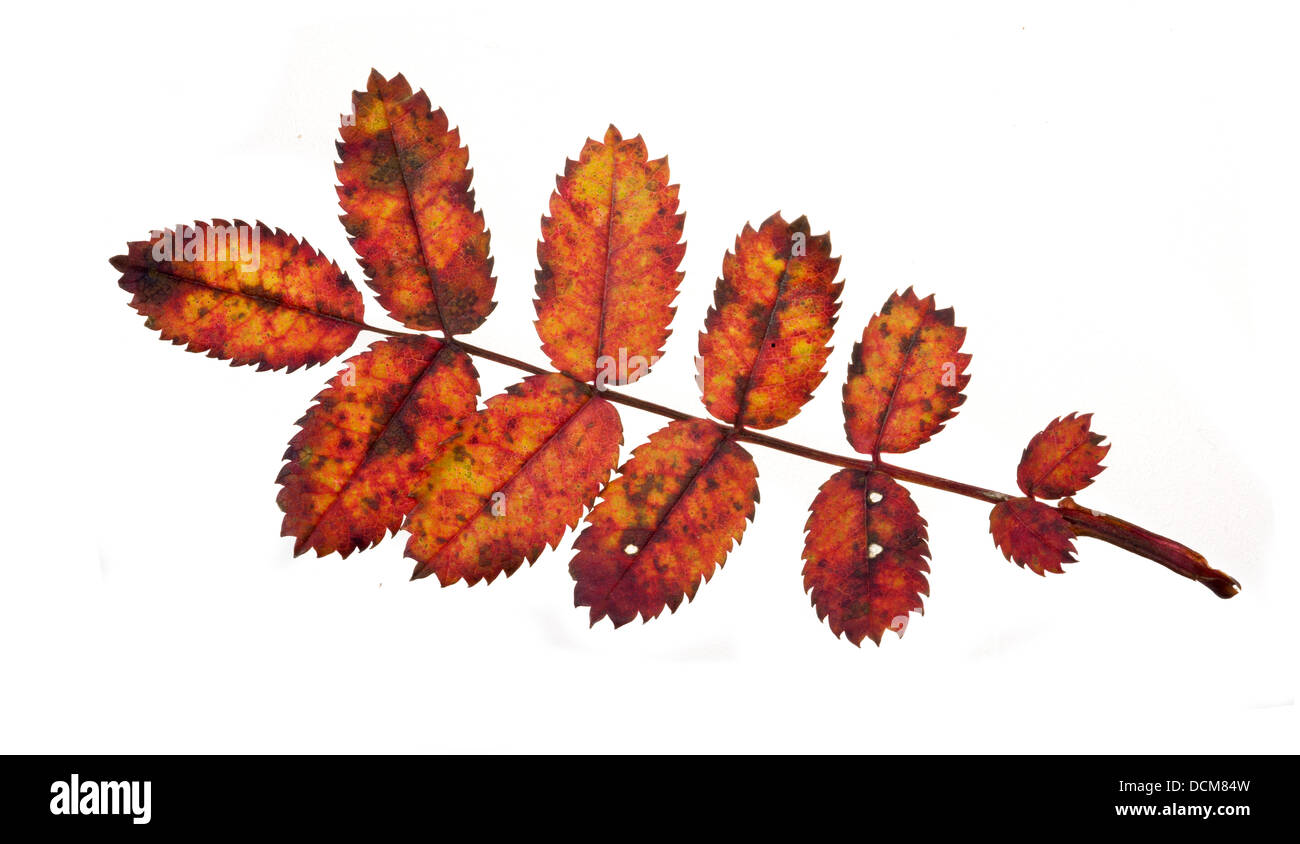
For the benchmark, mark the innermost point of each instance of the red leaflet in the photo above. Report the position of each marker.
(865, 555)
(246, 294)
(409, 208)
(609, 254)
(765, 338)
(362, 445)
(1061, 459)
(519, 474)
(906, 376)
(1033, 535)
(665, 523)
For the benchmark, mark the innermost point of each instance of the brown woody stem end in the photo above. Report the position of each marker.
(1172, 555)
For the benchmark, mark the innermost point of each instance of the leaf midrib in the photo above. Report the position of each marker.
(686, 488)
(415, 220)
(1034, 483)
(781, 285)
(365, 458)
(550, 439)
(898, 383)
(609, 255)
(279, 303)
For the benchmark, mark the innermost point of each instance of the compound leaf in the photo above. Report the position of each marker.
(362, 446)
(665, 523)
(1032, 534)
(609, 255)
(865, 555)
(1061, 459)
(519, 473)
(246, 294)
(765, 337)
(405, 191)
(905, 377)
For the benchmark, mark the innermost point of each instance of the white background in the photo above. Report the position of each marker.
(1107, 196)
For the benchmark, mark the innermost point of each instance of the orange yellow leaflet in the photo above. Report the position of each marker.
(1061, 459)
(609, 255)
(765, 338)
(245, 293)
(665, 523)
(362, 446)
(519, 473)
(405, 188)
(1032, 535)
(865, 555)
(906, 376)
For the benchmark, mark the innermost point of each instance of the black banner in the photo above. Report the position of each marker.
(906, 795)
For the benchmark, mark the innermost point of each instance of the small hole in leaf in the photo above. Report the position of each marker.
(875, 497)
(630, 549)
(873, 551)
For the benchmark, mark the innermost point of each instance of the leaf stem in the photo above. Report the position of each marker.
(1172, 555)
(1137, 540)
